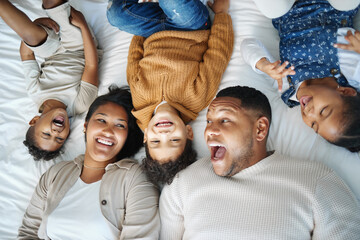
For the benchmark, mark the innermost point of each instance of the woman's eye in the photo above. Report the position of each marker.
(175, 140)
(120, 126)
(101, 120)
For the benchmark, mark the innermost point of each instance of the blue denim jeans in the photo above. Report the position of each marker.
(146, 18)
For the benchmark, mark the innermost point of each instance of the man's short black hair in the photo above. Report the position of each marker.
(251, 99)
(164, 173)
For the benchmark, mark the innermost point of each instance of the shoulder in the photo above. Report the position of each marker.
(301, 167)
(125, 169)
(195, 174)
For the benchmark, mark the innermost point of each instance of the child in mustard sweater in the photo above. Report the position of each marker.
(175, 65)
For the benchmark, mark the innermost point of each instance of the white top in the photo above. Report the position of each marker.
(277, 198)
(57, 80)
(78, 216)
(253, 50)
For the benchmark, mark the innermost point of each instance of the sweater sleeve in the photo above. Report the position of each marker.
(172, 219)
(136, 53)
(142, 219)
(216, 57)
(34, 212)
(86, 95)
(32, 74)
(252, 50)
(336, 210)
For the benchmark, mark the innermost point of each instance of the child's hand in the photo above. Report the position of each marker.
(77, 18)
(219, 6)
(48, 22)
(276, 70)
(354, 42)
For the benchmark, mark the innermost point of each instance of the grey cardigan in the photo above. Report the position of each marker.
(127, 199)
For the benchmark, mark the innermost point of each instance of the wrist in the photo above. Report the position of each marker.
(261, 63)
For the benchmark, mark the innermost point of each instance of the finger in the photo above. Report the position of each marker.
(343, 46)
(280, 83)
(282, 67)
(357, 35)
(275, 64)
(289, 71)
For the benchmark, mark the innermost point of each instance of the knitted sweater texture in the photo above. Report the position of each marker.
(182, 67)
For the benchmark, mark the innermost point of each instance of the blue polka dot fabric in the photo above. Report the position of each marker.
(307, 34)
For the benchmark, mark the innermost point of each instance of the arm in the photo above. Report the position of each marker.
(26, 53)
(34, 212)
(90, 73)
(218, 54)
(336, 210)
(142, 215)
(136, 53)
(256, 55)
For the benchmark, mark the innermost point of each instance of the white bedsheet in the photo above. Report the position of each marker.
(19, 173)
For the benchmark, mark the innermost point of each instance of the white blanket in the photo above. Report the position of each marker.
(19, 173)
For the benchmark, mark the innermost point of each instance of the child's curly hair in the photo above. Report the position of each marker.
(35, 151)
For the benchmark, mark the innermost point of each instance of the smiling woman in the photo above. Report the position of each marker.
(111, 195)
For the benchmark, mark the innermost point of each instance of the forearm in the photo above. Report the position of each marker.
(217, 56)
(136, 53)
(90, 74)
(254, 52)
(26, 53)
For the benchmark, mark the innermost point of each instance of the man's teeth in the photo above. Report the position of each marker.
(105, 142)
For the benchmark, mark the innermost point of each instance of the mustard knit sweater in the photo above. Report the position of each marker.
(183, 68)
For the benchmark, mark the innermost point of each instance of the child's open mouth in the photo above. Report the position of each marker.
(59, 121)
(164, 123)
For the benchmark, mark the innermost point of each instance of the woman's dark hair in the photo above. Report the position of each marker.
(350, 137)
(122, 97)
(35, 151)
(165, 173)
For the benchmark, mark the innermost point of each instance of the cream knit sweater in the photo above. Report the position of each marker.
(277, 198)
(182, 67)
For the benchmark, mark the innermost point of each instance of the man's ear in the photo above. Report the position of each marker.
(189, 132)
(347, 91)
(145, 135)
(262, 128)
(34, 120)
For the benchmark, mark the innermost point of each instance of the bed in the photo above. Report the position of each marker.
(19, 173)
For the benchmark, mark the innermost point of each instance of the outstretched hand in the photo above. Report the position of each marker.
(77, 18)
(276, 70)
(48, 22)
(354, 42)
(219, 6)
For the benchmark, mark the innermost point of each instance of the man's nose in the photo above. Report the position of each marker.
(213, 129)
